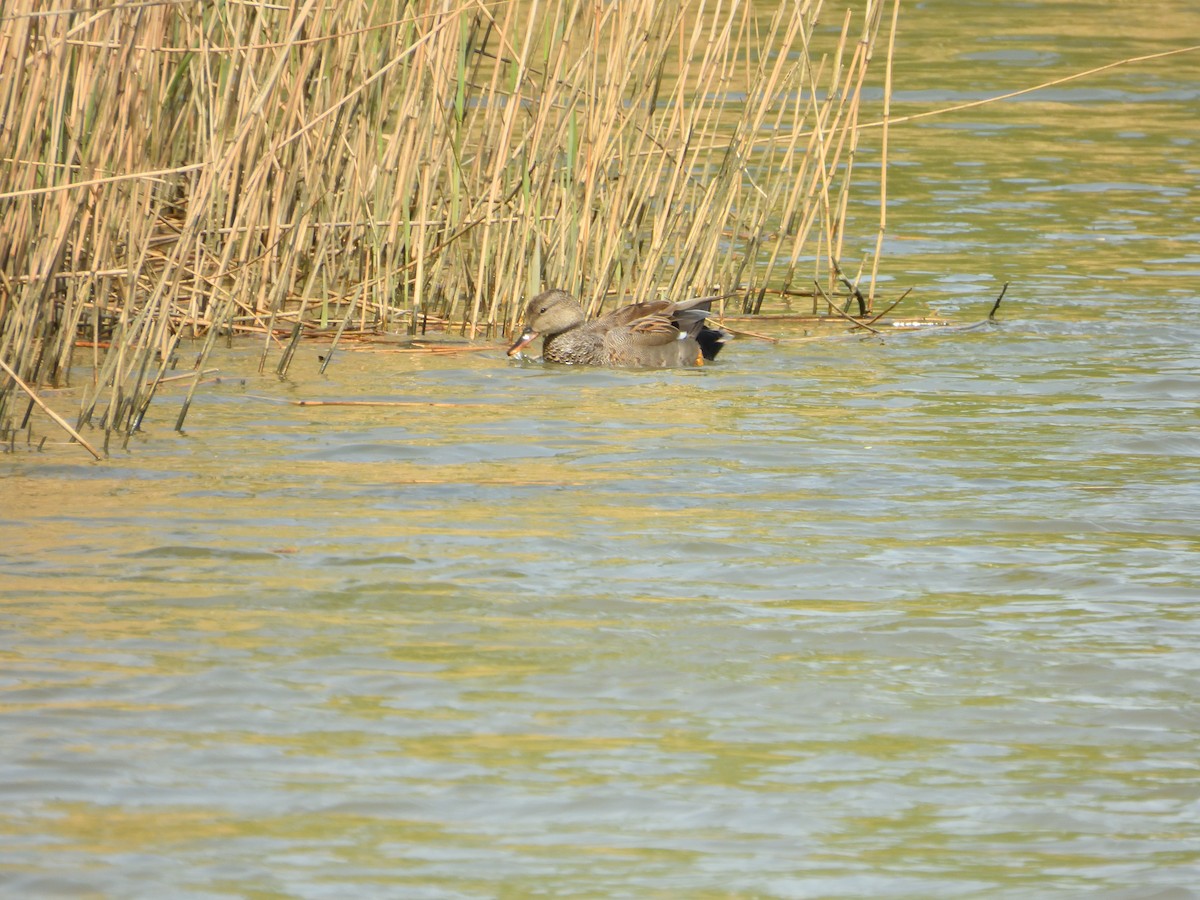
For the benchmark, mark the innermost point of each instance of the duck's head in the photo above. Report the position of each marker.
(549, 313)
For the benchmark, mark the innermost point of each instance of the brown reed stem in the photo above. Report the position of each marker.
(883, 153)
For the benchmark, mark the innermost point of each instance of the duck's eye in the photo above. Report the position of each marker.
(542, 310)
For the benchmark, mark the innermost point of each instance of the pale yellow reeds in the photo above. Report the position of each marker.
(186, 170)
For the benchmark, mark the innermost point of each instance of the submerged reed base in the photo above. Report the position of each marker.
(190, 170)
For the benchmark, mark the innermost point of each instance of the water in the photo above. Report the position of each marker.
(903, 617)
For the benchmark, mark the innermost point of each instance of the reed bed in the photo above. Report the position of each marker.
(174, 171)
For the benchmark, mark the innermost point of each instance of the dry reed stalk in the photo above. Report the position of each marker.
(1054, 82)
(177, 171)
(883, 151)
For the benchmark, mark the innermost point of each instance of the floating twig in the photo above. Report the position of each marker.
(753, 334)
(434, 350)
(359, 402)
(187, 375)
(377, 403)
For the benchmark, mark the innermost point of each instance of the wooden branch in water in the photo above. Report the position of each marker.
(896, 303)
(361, 402)
(849, 318)
(51, 413)
(995, 306)
(863, 306)
(377, 403)
(435, 350)
(753, 334)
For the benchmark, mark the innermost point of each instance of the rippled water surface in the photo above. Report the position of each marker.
(901, 617)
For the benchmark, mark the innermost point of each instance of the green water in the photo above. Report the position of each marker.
(906, 617)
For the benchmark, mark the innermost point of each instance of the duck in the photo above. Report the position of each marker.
(651, 334)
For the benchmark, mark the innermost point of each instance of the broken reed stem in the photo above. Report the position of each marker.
(62, 423)
(833, 307)
(890, 307)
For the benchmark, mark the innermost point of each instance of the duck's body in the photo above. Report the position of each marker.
(654, 334)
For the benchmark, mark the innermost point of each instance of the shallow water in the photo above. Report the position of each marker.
(901, 617)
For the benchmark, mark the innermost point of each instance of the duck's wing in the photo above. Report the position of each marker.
(648, 331)
(697, 303)
(652, 317)
(627, 315)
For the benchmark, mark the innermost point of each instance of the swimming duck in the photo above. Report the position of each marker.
(654, 334)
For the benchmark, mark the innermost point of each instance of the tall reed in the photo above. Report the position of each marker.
(171, 171)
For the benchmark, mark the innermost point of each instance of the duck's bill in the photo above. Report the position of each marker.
(528, 336)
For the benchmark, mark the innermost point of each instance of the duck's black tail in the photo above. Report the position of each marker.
(711, 340)
(693, 321)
